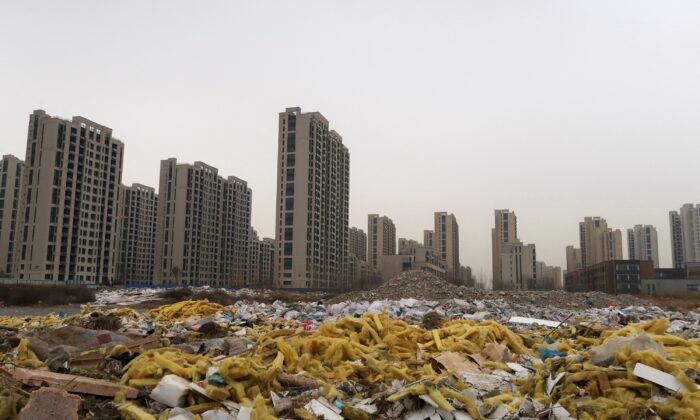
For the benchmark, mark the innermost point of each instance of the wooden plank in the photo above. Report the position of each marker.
(72, 383)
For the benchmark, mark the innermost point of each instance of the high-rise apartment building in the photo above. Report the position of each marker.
(10, 181)
(254, 259)
(690, 232)
(446, 243)
(429, 238)
(615, 244)
(68, 229)
(676, 239)
(267, 258)
(573, 259)
(358, 243)
(642, 244)
(598, 242)
(518, 266)
(202, 226)
(505, 231)
(548, 277)
(381, 239)
(313, 194)
(138, 215)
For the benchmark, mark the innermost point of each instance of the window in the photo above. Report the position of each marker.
(289, 203)
(290, 159)
(291, 142)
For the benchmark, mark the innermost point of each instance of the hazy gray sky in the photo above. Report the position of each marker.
(555, 109)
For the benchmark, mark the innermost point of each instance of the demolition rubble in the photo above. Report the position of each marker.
(414, 348)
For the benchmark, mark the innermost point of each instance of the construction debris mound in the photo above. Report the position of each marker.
(426, 286)
(378, 354)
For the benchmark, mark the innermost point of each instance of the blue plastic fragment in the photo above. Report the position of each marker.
(548, 353)
(216, 379)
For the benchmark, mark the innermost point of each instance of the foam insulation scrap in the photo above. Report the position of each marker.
(185, 309)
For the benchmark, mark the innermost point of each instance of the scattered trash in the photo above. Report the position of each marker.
(428, 350)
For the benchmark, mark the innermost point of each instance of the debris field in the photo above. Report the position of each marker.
(410, 354)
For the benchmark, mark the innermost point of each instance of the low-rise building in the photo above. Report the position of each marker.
(361, 274)
(413, 256)
(613, 277)
(668, 286)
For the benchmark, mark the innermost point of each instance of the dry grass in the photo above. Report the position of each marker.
(27, 295)
(683, 303)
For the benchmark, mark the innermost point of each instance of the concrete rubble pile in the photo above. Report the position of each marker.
(447, 358)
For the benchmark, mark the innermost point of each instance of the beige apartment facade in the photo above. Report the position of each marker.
(267, 258)
(518, 266)
(358, 243)
(505, 231)
(312, 207)
(642, 244)
(676, 239)
(253, 265)
(138, 215)
(598, 242)
(11, 169)
(69, 232)
(689, 215)
(381, 239)
(573, 258)
(446, 242)
(202, 227)
(429, 238)
(548, 277)
(412, 255)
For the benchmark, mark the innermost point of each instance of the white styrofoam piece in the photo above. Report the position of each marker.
(171, 391)
(524, 320)
(658, 377)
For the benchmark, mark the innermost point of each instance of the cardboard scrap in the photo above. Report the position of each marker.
(72, 383)
(658, 377)
(495, 352)
(456, 363)
(478, 358)
(528, 321)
